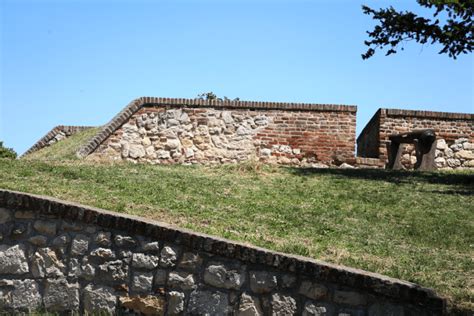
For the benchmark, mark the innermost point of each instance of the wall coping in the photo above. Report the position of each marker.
(428, 114)
(134, 225)
(43, 141)
(119, 119)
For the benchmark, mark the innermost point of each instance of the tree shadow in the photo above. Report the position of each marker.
(461, 182)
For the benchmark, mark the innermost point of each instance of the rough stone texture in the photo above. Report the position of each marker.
(60, 295)
(314, 309)
(175, 303)
(103, 239)
(113, 271)
(142, 282)
(249, 306)
(181, 280)
(190, 261)
(144, 261)
(168, 256)
(144, 305)
(79, 245)
(102, 262)
(283, 305)
(99, 299)
(13, 259)
(45, 263)
(20, 295)
(208, 303)
(163, 135)
(454, 133)
(220, 276)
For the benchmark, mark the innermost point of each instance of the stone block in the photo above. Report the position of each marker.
(79, 245)
(20, 295)
(169, 256)
(143, 261)
(45, 227)
(175, 303)
(262, 281)
(208, 303)
(142, 282)
(13, 259)
(181, 280)
(61, 296)
(283, 305)
(222, 276)
(99, 300)
(45, 263)
(249, 306)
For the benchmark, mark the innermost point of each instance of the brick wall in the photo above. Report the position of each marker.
(213, 132)
(66, 258)
(450, 128)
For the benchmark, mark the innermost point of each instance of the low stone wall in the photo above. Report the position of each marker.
(454, 132)
(59, 257)
(55, 135)
(458, 154)
(165, 131)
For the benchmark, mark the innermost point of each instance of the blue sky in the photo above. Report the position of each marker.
(80, 62)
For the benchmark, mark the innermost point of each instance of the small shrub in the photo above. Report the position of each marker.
(6, 152)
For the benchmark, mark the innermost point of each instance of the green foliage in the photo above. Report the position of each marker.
(408, 225)
(6, 152)
(455, 34)
(212, 96)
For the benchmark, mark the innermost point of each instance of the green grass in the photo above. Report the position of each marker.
(64, 149)
(413, 226)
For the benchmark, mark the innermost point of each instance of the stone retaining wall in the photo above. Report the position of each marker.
(454, 132)
(55, 135)
(59, 257)
(164, 131)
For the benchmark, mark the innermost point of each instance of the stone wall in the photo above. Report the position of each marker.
(58, 256)
(164, 131)
(454, 132)
(55, 135)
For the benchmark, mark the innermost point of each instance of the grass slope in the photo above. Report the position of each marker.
(414, 226)
(64, 149)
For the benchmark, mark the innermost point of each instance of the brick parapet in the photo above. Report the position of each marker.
(138, 103)
(373, 141)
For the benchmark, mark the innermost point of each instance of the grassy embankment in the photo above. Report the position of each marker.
(413, 226)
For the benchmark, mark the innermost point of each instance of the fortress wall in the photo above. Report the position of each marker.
(165, 131)
(62, 257)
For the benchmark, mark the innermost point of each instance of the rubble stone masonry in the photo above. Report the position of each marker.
(61, 257)
(164, 131)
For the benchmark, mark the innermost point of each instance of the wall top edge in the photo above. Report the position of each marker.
(158, 101)
(429, 114)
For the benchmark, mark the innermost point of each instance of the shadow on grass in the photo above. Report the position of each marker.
(461, 182)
